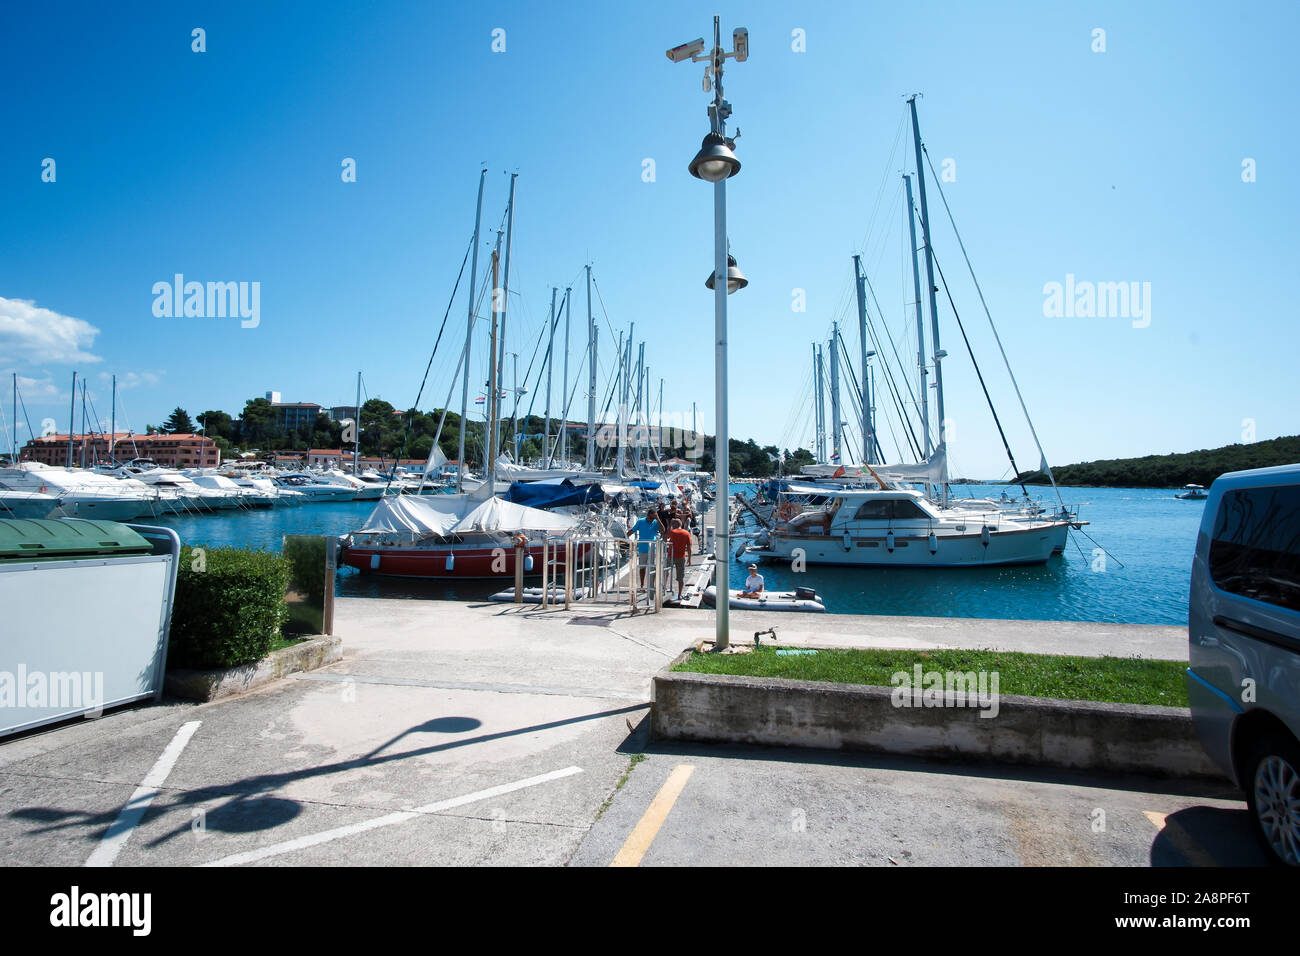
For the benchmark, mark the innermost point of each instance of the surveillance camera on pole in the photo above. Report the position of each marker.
(715, 163)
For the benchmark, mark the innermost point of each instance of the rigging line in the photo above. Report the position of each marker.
(565, 417)
(893, 388)
(27, 418)
(997, 338)
(410, 417)
(881, 312)
(978, 374)
(545, 362)
(856, 396)
(1099, 547)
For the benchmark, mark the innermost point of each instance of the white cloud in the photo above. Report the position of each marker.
(33, 391)
(32, 334)
(131, 379)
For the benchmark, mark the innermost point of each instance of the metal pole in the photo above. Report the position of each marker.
(72, 417)
(356, 426)
(591, 396)
(505, 283)
(469, 338)
(929, 274)
(112, 422)
(868, 426)
(515, 356)
(564, 424)
(920, 320)
(819, 402)
(493, 418)
(836, 435)
(722, 462)
(550, 367)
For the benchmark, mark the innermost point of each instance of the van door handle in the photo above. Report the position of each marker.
(1259, 633)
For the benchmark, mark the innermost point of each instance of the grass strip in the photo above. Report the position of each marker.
(1120, 680)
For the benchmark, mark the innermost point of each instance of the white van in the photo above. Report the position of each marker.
(1243, 676)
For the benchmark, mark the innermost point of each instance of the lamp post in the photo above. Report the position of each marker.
(715, 163)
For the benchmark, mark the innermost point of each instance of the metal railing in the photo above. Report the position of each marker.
(599, 569)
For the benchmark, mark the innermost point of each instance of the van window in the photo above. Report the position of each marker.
(1255, 545)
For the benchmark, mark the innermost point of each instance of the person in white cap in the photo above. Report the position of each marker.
(753, 583)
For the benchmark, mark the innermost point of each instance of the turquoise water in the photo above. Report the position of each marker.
(1149, 533)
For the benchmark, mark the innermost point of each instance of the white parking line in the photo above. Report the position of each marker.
(401, 816)
(134, 810)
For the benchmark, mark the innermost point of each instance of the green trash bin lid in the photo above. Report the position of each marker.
(67, 538)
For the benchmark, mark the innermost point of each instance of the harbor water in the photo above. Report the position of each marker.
(1149, 534)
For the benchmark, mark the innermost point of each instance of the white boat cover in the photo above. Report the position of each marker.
(459, 514)
(509, 471)
(933, 470)
(496, 514)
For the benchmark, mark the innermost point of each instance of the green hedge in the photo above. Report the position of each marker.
(229, 606)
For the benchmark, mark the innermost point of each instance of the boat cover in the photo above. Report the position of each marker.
(459, 514)
(553, 494)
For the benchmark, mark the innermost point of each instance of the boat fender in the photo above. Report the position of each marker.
(934, 543)
(528, 562)
(984, 536)
(889, 541)
(848, 542)
(451, 562)
(374, 562)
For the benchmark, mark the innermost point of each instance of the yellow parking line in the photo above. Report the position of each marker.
(647, 828)
(1180, 838)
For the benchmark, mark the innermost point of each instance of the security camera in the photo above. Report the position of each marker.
(740, 43)
(686, 51)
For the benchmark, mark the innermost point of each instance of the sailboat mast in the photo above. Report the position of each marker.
(112, 427)
(591, 395)
(868, 426)
(934, 312)
(550, 367)
(356, 428)
(505, 284)
(469, 338)
(920, 320)
(819, 403)
(625, 381)
(493, 421)
(83, 423)
(72, 417)
(13, 432)
(564, 405)
(836, 432)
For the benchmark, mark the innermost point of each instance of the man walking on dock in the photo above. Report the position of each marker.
(679, 540)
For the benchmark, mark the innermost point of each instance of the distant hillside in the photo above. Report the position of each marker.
(1173, 471)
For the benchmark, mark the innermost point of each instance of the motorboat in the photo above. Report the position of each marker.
(894, 527)
(1192, 493)
(315, 489)
(82, 494)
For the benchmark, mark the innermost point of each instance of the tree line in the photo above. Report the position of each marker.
(1173, 471)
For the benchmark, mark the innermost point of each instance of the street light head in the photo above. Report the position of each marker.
(735, 278)
(740, 44)
(715, 161)
(686, 51)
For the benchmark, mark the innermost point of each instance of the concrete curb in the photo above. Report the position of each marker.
(1087, 735)
(206, 685)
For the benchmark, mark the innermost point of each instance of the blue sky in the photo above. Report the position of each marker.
(1115, 166)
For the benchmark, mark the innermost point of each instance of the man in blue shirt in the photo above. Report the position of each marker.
(646, 530)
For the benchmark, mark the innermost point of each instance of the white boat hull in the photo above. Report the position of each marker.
(1033, 545)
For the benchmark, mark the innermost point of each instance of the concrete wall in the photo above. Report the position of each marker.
(1026, 730)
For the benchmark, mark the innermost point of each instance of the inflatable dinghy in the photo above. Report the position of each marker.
(805, 599)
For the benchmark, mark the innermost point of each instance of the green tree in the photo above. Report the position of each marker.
(178, 423)
(217, 424)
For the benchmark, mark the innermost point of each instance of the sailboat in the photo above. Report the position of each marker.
(903, 515)
(466, 534)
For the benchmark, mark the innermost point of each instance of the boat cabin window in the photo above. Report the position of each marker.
(892, 509)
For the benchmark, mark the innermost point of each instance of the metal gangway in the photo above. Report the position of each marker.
(597, 569)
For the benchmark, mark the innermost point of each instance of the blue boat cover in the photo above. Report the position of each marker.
(547, 495)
